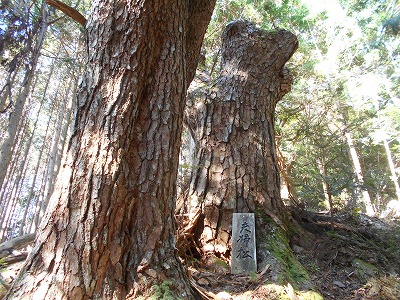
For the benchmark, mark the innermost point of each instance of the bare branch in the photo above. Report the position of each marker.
(68, 10)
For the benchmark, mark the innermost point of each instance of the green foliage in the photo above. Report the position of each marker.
(288, 14)
(348, 86)
(363, 269)
(162, 291)
(3, 263)
(253, 276)
(392, 25)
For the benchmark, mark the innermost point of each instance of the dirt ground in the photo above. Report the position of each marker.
(348, 256)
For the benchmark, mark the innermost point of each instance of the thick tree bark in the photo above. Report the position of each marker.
(233, 126)
(109, 231)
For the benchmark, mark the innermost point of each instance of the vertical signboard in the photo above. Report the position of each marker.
(243, 258)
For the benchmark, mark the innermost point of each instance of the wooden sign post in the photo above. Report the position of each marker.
(243, 258)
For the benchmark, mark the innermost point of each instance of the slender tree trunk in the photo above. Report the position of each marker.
(32, 193)
(16, 194)
(20, 11)
(393, 173)
(22, 160)
(38, 215)
(108, 232)
(67, 123)
(54, 149)
(233, 124)
(38, 203)
(36, 169)
(285, 169)
(321, 162)
(15, 115)
(365, 199)
(13, 172)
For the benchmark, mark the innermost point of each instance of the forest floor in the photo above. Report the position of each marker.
(348, 256)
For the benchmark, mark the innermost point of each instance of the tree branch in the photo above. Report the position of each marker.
(8, 247)
(68, 10)
(200, 12)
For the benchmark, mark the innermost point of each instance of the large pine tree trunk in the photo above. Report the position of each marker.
(108, 232)
(233, 124)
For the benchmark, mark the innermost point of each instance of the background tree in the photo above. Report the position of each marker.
(59, 61)
(342, 77)
(9, 137)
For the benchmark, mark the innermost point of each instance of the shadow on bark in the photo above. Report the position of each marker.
(235, 170)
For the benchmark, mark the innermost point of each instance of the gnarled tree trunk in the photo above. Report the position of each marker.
(233, 126)
(108, 232)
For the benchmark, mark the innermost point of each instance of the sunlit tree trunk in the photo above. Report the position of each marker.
(16, 192)
(393, 173)
(22, 229)
(285, 168)
(365, 199)
(233, 124)
(321, 162)
(65, 130)
(108, 232)
(38, 198)
(54, 150)
(10, 193)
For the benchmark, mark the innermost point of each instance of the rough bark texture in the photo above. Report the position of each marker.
(109, 226)
(233, 126)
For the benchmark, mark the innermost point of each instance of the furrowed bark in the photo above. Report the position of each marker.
(233, 125)
(109, 229)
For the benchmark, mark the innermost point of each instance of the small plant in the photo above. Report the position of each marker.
(253, 276)
(332, 233)
(313, 268)
(162, 291)
(356, 211)
(219, 262)
(3, 263)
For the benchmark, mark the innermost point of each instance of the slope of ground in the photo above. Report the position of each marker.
(348, 256)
